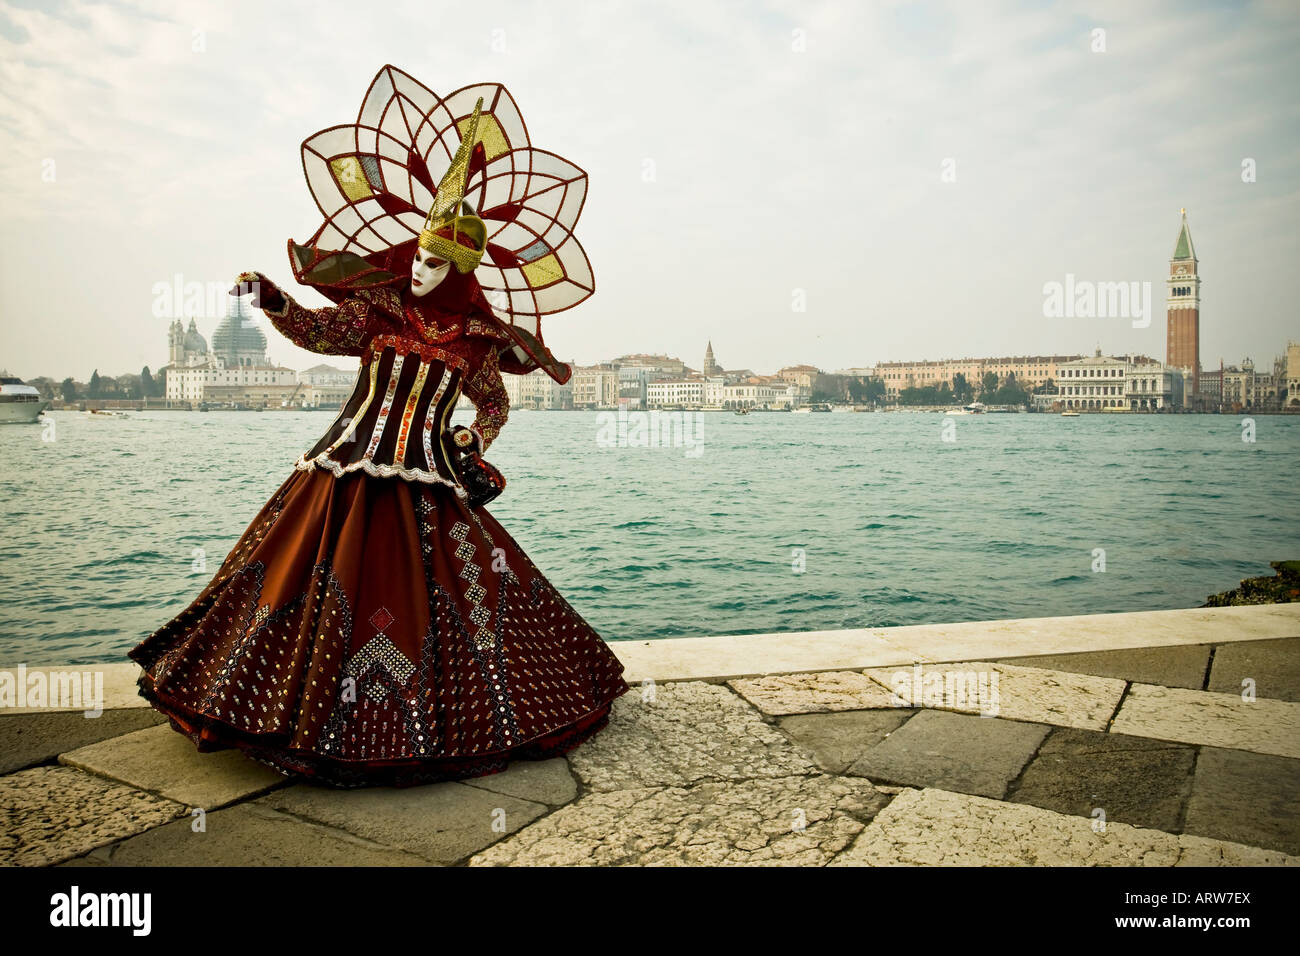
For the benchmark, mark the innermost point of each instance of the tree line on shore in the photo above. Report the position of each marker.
(144, 385)
(991, 390)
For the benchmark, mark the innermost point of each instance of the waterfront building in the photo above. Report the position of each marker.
(327, 375)
(1183, 318)
(324, 396)
(1095, 382)
(654, 365)
(633, 382)
(1030, 371)
(244, 384)
(1152, 386)
(760, 395)
(537, 390)
(675, 392)
(1245, 387)
(1211, 385)
(595, 386)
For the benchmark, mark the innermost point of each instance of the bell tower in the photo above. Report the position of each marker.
(1183, 345)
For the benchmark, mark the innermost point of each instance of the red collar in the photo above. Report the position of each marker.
(432, 324)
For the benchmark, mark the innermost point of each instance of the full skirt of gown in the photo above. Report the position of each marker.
(374, 631)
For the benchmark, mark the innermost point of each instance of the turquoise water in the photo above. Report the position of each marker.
(897, 526)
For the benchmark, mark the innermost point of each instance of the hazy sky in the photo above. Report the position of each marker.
(793, 145)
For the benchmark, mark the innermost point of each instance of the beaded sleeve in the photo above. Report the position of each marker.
(334, 330)
(488, 393)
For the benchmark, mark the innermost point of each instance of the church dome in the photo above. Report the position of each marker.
(237, 336)
(194, 342)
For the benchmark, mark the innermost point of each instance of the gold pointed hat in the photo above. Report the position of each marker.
(450, 216)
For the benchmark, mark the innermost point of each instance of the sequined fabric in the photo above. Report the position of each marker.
(394, 424)
(369, 631)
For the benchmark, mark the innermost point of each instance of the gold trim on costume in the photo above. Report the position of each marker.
(399, 453)
(386, 407)
(356, 418)
(432, 410)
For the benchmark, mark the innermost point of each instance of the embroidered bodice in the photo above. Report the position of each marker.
(412, 373)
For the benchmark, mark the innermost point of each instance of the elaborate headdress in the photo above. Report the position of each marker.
(443, 216)
(372, 180)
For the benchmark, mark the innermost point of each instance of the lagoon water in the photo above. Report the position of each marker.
(778, 523)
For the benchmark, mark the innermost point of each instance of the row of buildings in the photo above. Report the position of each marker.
(236, 371)
(644, 381)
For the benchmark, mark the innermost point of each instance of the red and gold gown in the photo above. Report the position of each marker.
(369, 627)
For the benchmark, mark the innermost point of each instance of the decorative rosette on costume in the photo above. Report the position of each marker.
(375, 183)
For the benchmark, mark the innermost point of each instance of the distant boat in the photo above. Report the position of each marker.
(975, 408)
(742, 411)
(815, 407)
(105, 413)
(1069, 414)
(19, 403)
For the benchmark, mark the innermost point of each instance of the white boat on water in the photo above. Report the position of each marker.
(19, 402)
(974, 408)
(1069, 414)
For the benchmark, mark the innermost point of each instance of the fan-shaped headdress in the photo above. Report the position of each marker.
(373, 181)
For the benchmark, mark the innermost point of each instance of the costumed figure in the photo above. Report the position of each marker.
(374, 624)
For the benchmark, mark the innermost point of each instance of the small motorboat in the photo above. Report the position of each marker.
(1068, 413)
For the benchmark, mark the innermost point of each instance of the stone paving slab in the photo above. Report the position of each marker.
(117, 682)
(165, 762)
(1168, 666)
(776, 821)
(1018, 693)
(48, 814)
(972, 640)
(954, 751)
(441, 822)
(733, 656)
(687, 733)
(939, 828)
(1273, 665)
(30, 739)
(248, 835)
(548, 782)
(836, 740)
(1218, 720)
(1133, 780)
(1246, 798)
(736, 656)
(813, 693)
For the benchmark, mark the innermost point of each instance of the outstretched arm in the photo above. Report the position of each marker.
(334, 330)
(487, 391)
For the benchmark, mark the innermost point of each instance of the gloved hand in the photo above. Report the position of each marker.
(265, 293)
(465, 439)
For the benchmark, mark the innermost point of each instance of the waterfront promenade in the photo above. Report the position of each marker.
(1163, 738)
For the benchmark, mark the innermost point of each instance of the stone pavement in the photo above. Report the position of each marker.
(1168, 754)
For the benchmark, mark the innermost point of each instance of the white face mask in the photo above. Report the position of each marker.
(427, 272)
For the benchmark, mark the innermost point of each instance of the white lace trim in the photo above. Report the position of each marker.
(379, 471)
